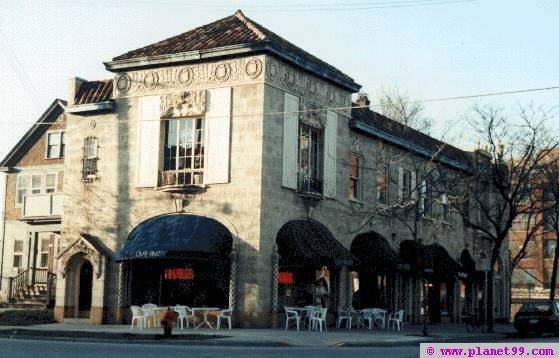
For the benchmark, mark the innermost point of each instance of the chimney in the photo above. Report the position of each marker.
(363, 100)
(74, 85)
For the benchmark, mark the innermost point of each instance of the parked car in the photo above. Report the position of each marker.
(537, 316)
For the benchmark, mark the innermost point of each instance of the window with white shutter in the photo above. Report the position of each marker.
(218, 125)
(148, 141)
(330, 154)
(290, 141)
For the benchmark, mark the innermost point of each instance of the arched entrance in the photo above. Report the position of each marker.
(440, 272)
(85, 288)
(310, 262)
(178, 259)
(376, 272)
(79, 287)
(467, 285)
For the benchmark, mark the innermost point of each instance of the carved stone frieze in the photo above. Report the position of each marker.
(312, 114)
(307, 86)
(234, 71)
(183, 104)
(83, 247)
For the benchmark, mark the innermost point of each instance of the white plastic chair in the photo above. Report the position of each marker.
(318, 317)
(291, 315)
(185, 315)
(365, 315)
(224, 315)
(149, 312)
(344, 315)
(137, 316)
(396, 319)
(309, 312)
(379, 317)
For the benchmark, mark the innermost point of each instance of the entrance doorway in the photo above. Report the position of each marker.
(84, 293)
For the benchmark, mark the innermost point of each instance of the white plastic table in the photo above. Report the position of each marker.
(205, 311)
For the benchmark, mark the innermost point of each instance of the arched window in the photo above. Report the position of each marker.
(90, 159)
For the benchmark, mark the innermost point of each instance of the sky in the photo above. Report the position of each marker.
(426, 48)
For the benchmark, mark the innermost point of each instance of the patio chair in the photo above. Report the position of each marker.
(185, 314)
(291, 315)
(379, 318)
(138, 316)
(224, 315)
(365, 315)
(149, 312)
(318, 317)
(396, 319)
(344, 315)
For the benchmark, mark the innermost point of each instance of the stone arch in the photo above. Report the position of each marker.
(70, 264)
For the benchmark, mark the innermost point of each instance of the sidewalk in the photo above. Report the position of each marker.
(410, 336)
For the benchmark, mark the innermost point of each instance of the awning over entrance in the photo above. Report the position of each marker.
(309, 243)
(412, 255)
(176, 236)
(439, 263)
(468, 264)
(374, 253)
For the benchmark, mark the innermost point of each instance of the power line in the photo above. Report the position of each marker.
(371, 106)
(305, 7)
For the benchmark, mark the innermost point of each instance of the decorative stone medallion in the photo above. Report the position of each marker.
(222, 72)
(253, 67)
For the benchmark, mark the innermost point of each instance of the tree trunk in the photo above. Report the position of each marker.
(554, 275)
(490, 310)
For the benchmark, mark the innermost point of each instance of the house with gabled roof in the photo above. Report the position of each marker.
(222, 169)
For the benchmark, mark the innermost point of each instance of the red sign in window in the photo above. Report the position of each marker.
(179, 274)
(285, 277)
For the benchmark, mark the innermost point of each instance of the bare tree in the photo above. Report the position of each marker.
(400, 107)
(501, 182)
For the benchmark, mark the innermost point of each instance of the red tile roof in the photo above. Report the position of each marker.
(232, 30)
(94, 92)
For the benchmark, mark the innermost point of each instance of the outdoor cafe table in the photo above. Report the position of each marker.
(306, 310)
(205, 311)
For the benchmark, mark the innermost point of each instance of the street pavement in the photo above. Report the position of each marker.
(15, 348)
(410, 336)
(18, 348)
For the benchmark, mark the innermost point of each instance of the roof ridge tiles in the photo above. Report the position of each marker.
(239, 15)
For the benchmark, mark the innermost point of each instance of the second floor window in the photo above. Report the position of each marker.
(90, 158)
(34, 184)
(310, 159)
(382, 181)
(426, 202)
(445, 208)
(184, 150)
(55, 145)
(355, 191)
(406, 185)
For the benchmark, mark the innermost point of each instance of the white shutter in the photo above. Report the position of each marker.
(400, 184)
(290, 141)
(330, 154)
(413, 184)
(218, 124)
(148, 141)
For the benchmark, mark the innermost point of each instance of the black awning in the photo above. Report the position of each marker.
(309, 243)
(412, 255)
(176, 236)
(468, 264)
(374, 253)
(438, 262)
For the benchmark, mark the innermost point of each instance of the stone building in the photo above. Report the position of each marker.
(227, 167)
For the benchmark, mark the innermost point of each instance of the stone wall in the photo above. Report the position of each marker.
(111, 206)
